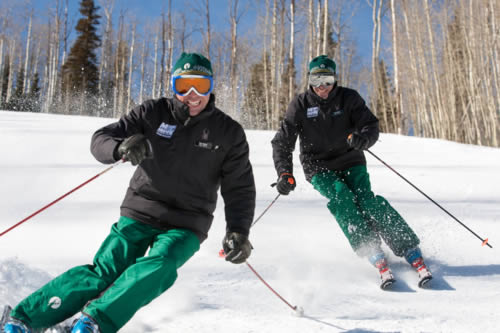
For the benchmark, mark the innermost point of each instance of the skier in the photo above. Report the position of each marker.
(335, 126)
(185, 149)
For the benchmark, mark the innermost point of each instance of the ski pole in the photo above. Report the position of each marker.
(265, 210)
(485, 241)
(61, 197)
(299, 311)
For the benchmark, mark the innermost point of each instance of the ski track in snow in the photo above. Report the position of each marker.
(299, 249)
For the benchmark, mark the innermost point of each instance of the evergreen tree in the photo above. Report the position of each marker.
(254, 107)
(34, 95)
(4, 81)
(80, 72)
(17, 100)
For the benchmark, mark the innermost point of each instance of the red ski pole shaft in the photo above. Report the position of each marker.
(270, 288)
(60, 198)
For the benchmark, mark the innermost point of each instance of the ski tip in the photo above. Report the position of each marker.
(424, 283)
(387, 284)
(222, 254)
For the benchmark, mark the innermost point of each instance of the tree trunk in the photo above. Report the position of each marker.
(155, 67)
(209, 35)
(266, 78)
(291, 55)
(130, 69)
(233, 12)
(397, 92)
(26, 57)
(325, 27)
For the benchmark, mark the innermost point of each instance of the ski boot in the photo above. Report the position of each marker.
(12, 325)
(414, 258)
(386, 277)
(85, 324)
(15, 326)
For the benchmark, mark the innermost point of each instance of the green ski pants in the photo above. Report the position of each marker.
(120, 281)
(363, 217)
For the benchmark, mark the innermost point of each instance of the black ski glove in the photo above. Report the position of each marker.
(286, 183)
(358, 141)
(237, 247)
(135, 149)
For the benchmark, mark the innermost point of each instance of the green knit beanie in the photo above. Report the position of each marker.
(192, 63)
(322, 64)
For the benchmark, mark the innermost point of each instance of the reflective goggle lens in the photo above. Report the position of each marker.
(183, 84)
(321, 80)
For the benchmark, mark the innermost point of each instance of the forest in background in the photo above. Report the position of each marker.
(437, 76)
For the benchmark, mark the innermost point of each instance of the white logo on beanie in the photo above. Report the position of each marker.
(54, 302)
(187, 66)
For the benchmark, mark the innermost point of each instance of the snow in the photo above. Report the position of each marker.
(299, 249)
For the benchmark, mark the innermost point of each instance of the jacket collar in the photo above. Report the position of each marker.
(181, 111)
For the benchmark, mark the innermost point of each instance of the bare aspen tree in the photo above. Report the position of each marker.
(274, 56)
(204, 12)
(27, 55)
(310, 27)
(325, 27)
(233, 17)
(413, 95)
(318, 41)
(10, 80)
(131, 68)
(52, 79)
(397, 122)
(104, 65)
(376, 36)
(119, 69)
(144, 55)
(170, 46)
(280, 67)
(163, 51)
(183, 35)
(434, 71)
(265, 59)
(2, 38)
(154, 92)
(291, 54)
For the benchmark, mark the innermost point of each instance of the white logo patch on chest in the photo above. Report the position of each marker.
(166, 130)
(312, 112)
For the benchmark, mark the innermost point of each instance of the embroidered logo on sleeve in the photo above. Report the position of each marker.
(312, 112)
(166, 130)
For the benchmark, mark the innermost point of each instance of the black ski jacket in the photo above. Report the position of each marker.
(193, 157)
(323, 126)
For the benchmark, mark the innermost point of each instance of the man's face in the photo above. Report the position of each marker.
(323, 91)
(195, 102)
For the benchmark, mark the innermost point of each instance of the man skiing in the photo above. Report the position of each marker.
(185, 149)
(335, 126)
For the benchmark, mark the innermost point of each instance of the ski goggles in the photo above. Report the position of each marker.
(316, 80)
(183, 84)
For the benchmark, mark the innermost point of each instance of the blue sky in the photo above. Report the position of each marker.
(151, 9)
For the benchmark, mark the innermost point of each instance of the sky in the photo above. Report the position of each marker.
(151, 10)
(298, 247)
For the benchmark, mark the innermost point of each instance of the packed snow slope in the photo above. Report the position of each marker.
(299, 248)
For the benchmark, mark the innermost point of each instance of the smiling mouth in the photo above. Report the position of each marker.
(193, 103)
